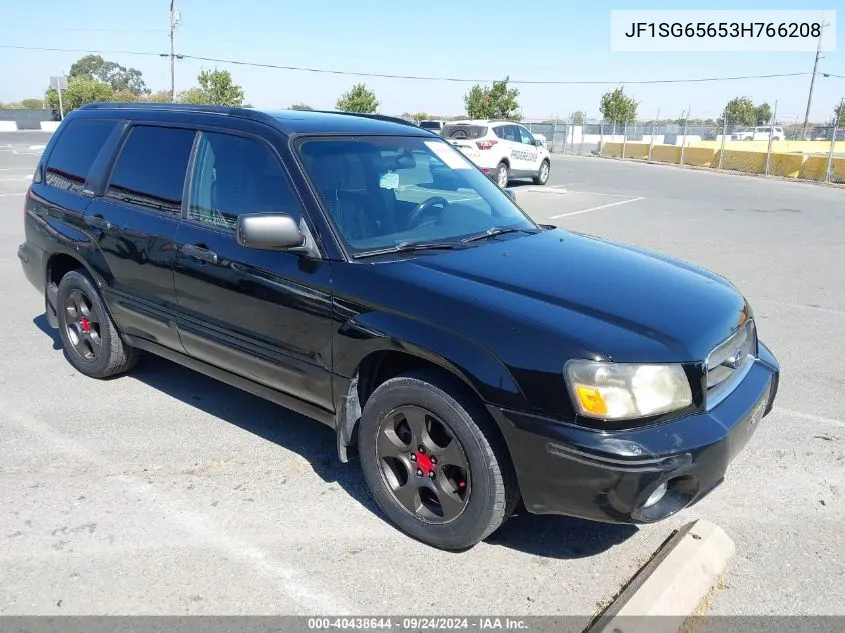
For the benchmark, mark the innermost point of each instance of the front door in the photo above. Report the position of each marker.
(529, 153)
(263, 315)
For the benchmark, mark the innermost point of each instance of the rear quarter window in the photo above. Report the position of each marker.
(463, 131)
(76, 149)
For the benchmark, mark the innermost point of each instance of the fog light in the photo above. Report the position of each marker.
(655, 496)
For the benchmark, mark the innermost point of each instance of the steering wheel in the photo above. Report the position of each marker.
(424, 206)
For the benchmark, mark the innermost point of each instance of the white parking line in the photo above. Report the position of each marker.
(15, 179)
(37, 146)
(8, 195)
(604, 206)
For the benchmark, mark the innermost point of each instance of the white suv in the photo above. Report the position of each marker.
(502, 149)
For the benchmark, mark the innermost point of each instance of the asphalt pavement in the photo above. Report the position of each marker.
(166, 492)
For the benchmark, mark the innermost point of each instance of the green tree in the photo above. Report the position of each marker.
(219, 88)
(578, 118)
(159, 96)
(741, 111)
(193, 95)
(32, 104)
(118, 77)
(80, 90)
(494, 102)
(618, 108)
(763, 113)
(358, 99)
(420, 116)
(301, 106)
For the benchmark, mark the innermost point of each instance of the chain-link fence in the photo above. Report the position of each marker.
(792, 151)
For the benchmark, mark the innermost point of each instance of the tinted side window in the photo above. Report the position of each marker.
(235, 175)
(76, 149)
(150, 171)
(524, 135)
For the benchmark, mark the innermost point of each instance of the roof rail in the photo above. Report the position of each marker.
(378, 117)
(246, 113)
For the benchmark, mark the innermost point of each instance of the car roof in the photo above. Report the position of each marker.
(489, 122)
(291, 122)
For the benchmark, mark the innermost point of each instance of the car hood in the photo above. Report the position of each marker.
(624, 302)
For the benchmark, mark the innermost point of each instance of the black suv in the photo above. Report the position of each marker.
(361, 271)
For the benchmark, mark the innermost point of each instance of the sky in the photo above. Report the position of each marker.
(561, 41)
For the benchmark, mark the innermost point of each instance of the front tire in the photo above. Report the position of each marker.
(542, 176)
(435, 462)
(90, 338)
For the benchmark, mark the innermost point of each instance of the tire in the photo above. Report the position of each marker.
(90, 338)
(489, 488)
(502, 175)
(542, 176)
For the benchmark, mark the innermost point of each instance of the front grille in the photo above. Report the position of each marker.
(728, 363)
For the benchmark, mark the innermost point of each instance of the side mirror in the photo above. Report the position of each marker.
(510, 193)
(269, 231)
(538, 142)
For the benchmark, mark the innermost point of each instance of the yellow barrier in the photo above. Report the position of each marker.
(806, 147)
(614, 150)
(636, 150)
(666, 154)
(783, 164)
(814, 168)
(788, 165)
(699, 156)
(748, 162)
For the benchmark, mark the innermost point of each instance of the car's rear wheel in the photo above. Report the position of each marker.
(91, 341)
(542, 176)
(435, 462)
(502, 175)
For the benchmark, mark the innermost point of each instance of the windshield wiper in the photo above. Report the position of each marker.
(404, 247)
(496, 230)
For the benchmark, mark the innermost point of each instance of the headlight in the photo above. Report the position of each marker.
(618, 391)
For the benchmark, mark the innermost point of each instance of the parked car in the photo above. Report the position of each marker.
(469, 357)
(434, 126)
(759, 133)
(503, 150)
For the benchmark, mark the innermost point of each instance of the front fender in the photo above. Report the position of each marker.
(382, 331)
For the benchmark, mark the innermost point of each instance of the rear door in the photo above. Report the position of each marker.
(135, 221)
(260, 314)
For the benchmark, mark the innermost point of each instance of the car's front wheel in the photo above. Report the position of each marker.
(435, 462)
(542, 176)
(90, 338)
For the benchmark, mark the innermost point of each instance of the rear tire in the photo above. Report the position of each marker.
(464, 461)
(542, 176)
(90, 338)
(502, 175)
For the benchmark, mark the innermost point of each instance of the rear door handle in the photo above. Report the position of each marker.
(100, 222)
(198, 252)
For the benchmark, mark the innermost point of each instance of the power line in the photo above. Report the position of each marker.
(412, 77)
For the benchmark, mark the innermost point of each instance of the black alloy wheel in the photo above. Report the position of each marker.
(82, 326)
(90, 338)
(423, 464)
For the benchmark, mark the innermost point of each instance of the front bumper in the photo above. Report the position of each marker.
(609, 476)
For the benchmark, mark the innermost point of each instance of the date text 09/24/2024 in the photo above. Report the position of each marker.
(417, 623)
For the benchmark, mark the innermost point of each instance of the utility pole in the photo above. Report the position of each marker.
(813, 81)
(174, 19)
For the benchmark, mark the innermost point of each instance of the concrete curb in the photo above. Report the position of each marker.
(672, 583)
(8, 126)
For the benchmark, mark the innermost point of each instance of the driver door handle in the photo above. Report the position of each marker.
(199, 252)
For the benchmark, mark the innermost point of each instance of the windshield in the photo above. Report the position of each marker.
(430, 125)
(384, 191)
